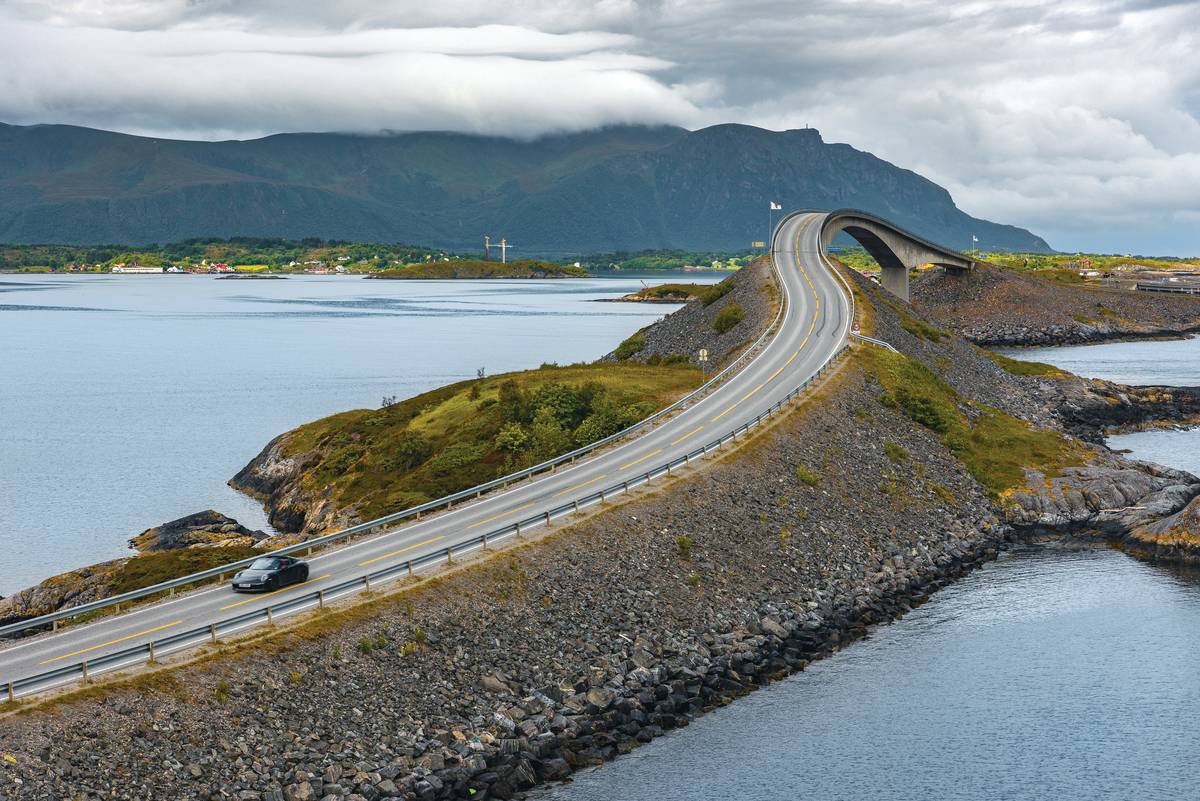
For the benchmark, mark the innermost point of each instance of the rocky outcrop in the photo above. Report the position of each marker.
(1110, 496)
(1174, 538)
(275, 478)
(1091, 409)
(994, 306)
(58, 592)
(207, 529)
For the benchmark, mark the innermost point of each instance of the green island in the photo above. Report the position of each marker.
(379, 461)
(478, 268)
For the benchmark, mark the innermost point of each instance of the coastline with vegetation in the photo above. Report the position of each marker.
(903, 471)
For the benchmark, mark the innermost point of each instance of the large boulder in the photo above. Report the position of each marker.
(206, 529)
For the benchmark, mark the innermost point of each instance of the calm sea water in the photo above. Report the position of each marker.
(1051, 673)
(127, 401)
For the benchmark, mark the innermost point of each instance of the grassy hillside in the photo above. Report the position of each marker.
(477, 268)
(383, 460)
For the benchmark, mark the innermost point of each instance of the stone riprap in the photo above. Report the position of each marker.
(995, 306)
(575, 648)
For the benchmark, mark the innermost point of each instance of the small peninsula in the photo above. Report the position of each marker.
(477, 268)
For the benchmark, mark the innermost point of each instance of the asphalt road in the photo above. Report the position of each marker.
(816, 323)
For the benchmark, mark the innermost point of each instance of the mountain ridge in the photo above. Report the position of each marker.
(615, 188)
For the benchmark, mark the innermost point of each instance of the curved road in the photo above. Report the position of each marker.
(816, 323)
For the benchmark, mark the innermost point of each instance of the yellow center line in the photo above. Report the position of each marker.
(577, 486)
(402, 550)
(727, 411)
(777, 372)
(644, 458)
(274, 592)
(756, 389)
(113, 642)
(502, 514)
(688, 434)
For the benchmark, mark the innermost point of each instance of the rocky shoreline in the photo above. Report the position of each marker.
(573, 649)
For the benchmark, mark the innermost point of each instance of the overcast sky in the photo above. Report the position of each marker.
(1077, 119)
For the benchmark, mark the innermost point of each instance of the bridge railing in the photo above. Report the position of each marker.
(219, 572)
(150, 652)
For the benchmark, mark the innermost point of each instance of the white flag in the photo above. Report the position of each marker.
(974, 238)
(775, 206)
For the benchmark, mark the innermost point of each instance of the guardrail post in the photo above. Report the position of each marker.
(410, 568)
(320, 599)
(54, 626)
(576, 507)
(12, 695)
(367, 583)
(625, 487)
(220, 578)
(212, 632)
(547, 518)
(171, 591)
(152, 659)
(83, 665)
(310, 550)
(485, 540)
(449, 554)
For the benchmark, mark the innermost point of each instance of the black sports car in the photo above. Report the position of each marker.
(271, 573)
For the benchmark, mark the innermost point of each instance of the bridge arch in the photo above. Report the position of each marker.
(896, 249)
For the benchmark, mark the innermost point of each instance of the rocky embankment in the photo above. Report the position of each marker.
(997, 307)
(206, 529)
(600, 636)
(692, 328)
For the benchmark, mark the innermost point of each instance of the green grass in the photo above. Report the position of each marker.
(1022, 368)
(915, 325)
(896, 452)
(147, 569)
(477, 268)
(630, 347)
(384, 460)
(807, 476)
(992, 445)
(728, 317)
(680, 292)
(714, 292)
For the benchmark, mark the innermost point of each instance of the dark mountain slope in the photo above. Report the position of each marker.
(616, 188)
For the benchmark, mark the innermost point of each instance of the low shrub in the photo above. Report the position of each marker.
(630, 347)
(807, 475)
(728, 317)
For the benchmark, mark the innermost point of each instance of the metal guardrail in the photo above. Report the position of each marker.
(873, 341)
(447, 501)
(149, 652)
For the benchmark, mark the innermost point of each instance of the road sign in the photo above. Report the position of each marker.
(855, 328)
(703, 355)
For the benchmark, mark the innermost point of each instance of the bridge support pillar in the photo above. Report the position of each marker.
(895, 280)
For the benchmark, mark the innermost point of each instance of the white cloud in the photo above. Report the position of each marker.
(1076, 119)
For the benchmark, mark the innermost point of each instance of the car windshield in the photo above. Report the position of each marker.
(265, 564)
